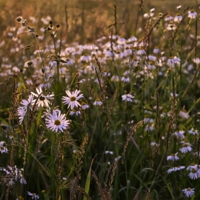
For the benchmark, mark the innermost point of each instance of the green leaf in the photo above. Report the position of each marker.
(87, 184)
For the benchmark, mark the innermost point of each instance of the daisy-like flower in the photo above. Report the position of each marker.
(115, 78)
(184, 114)
(192, 131)
(174, 169)
(28, 103)
(125, 79)
(84, 106)
(97, 102)
(21, 112)
(56, 121)
(25, 105)
(189, 192)
(192, 14)
(192, 166)
(193, 174)
(75, 112)
(186, 147)
(127, 97)
(173, 157)
(41, 99)
(33, 195)
(72, 98)
(180, 134)
(178, 18)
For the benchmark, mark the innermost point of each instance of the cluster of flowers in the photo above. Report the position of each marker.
(194, 169)
(55, 120)
(11, 175)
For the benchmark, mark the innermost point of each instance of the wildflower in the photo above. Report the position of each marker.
(193, 174)
(12, 175)
(56, 121)
(173, 95)
(180, 134)
(84, 106)
(193, 132)
(184, 114)
(72, 98)
(3, 148)
(171, 27)
(154, 144)
(127, 97)
(178, 18)
(132, 39)
(173, 157)
(125, 79)
(25, 105)
(149, 128)
(156, 50)
(189, 192)
(196, 60)
(21, 112)
(192, 166)
(192, 14)
(75, 112)
(115, 78)
(148, 120)
(173, 169)
(33, 195)
(41, 100)
(97, 102)
(141, 52)
(168, 18)
(186, 147)
(109, 152)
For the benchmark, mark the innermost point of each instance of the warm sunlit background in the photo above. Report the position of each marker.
(86, 20)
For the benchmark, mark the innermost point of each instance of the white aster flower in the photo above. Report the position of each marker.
(186, 147)
(75, 112)
(180, 134)
(173, 157)
(192, 166)
(97, 102)
(127, 97)
(84, 106)
(174, 169)
(56, 121)
(21, 112)
(192, 14)
(72, 98)
(189, 192)
(193, 174)
(178, 18)
(192, 131)
(41, 99)
(25, 105)
(125, 79)
(28, 103)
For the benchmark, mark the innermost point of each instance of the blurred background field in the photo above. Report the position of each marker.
(86, 20)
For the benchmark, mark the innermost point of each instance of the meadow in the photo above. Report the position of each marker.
(99, 100)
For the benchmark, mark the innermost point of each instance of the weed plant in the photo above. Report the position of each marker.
(114, 119)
